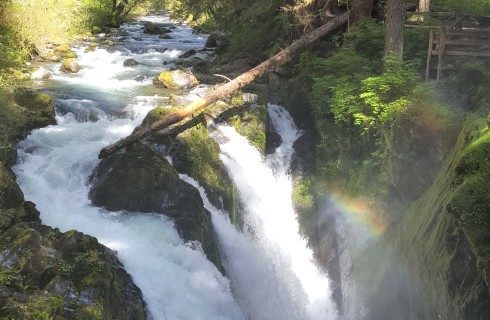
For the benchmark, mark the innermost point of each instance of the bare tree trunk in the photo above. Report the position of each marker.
(229, 88)
(395, 22)
(424, 6)
(360, 9)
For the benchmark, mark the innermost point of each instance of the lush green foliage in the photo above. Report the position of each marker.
(254, 26)
(359, 108)
(477, 7)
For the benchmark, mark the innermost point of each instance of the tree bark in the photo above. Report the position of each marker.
(424, 6)
(229, 88)
(361, 9)
(395, 22)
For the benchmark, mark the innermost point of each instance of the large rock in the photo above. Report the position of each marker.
(54, 53)
(130, 63)
(153, 28)
(38, 106)
(236, 67)
(178, 79)
(40, 73)
(70, 65)
(188, 54)
(218, 41)
(62, 276)
(11, 195)
(141, 180)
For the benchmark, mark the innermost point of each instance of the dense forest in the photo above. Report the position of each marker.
(386, 177)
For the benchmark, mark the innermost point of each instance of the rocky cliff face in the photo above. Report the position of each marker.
(446, 239)
(46, 274)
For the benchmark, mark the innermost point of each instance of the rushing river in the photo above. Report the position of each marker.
(271, 271)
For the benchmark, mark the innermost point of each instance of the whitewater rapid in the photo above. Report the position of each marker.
(271, 271)
(100, 105)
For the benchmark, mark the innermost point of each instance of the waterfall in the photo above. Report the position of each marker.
(272, 270)
(95, 107)
(272, 274)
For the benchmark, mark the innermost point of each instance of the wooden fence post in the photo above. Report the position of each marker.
(442, 45)
(429, 55)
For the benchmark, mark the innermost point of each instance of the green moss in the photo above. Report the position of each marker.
(7, 277)
(45, 308)
(237, 99)
(454, 211)
(20, 113)
(252, 124)
(302, 195)
(91, 312)
(201, 154)
(65, 51)
(157, 113)
(166, 78)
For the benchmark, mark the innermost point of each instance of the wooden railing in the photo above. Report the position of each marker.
(464, 42)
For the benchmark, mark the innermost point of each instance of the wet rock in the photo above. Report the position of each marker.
(236, 67)
(40, 74)
(141, 180)
(11, 195)
(47, 272)
(65, 51)
(54, 53)
(70, 65)
(187, 54)
(48, 55)
(218, 41)
(153, 28)
(165, 36)
(130, 63)
(193, 62)
(39, 108)
(178, 79)
(140, 78)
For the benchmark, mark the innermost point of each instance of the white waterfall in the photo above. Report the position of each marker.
(272, 270)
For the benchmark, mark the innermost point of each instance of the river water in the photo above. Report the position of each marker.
(272, 274)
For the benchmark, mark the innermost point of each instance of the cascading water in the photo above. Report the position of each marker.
(273, 272)
(55, 163)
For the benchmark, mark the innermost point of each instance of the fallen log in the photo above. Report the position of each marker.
(229, 88)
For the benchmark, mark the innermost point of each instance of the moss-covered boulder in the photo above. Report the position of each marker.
(65, 51)
(40, 73)
(158, 113)
(54, 53)
(70, 65)
(197, 154)
(141, 180)
(178, 79)
(21, 112)
(11, 195)
(252, 124)
(45, 274)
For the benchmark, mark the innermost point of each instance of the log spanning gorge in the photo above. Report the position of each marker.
(269, 271)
